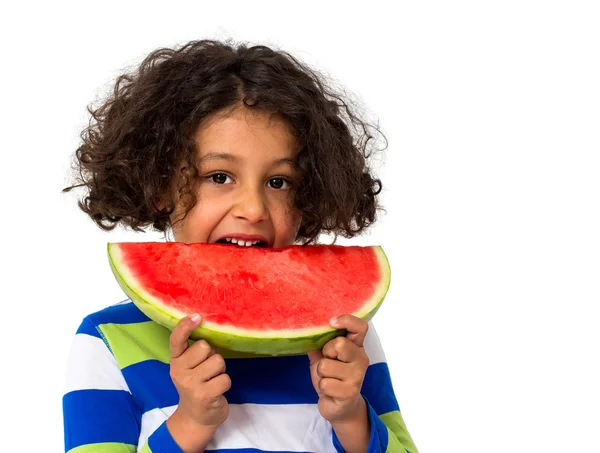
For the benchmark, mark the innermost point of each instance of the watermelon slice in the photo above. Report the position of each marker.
(265, 301)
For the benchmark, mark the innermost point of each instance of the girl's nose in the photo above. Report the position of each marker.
(250, 205)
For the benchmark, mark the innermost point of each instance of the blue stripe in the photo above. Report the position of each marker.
(282, 380)
(93, 416)
(88, 328)
(162, 441)
(277, 380)
(380, 427)
(123, 313)
(271, 380)
(378, 438)
(150, 384)
(377, 388)
(379, 432)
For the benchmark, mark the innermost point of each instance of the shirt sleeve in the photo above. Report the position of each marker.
(388, 431)
(100, 414)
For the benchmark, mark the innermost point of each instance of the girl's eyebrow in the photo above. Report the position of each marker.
(233, 158)
(217, 156)
(285, 160)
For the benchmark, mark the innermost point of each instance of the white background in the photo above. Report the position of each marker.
(492, 190)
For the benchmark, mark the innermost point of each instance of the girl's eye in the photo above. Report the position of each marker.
(278, 183)
(219, 178)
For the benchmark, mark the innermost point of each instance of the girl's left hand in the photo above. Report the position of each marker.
(338, 372)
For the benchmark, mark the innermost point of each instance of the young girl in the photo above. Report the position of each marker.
(217, 143)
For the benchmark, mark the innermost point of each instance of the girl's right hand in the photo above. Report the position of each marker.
(198, 373)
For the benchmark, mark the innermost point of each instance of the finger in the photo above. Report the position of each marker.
(335, 388)
(340, 348)
(218, 385)
(178, 341)
(196, 354)
(357, 328)
(314, 356)
(328, 368)
(212, 367)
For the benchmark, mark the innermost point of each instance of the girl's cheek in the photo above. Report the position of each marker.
(291, 220)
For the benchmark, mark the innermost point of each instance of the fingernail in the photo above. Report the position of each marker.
(334, 321)
(195, 317)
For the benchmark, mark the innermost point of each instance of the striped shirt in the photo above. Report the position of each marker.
(119, 395)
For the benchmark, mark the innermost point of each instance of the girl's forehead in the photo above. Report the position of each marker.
(242, 134)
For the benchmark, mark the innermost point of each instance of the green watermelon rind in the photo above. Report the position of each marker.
(245, 341)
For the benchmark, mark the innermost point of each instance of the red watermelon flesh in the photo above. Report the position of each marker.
(257, 300)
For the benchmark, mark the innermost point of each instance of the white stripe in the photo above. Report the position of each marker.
(291, 427)
(373, 346)
(151, 421)
(91, 365)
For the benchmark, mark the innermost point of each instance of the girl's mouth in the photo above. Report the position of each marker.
(243, 243)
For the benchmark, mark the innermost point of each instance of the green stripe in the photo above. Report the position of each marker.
(133, 343)
(394, 445)
(399, 438)
(105, 447)
(136, 342)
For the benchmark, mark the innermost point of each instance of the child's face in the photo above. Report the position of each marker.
(247, 182)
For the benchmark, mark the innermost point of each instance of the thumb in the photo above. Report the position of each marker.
(314, 356)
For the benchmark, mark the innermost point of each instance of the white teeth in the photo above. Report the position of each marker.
(241, 242)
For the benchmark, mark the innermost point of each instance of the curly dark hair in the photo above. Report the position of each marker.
(141, 134)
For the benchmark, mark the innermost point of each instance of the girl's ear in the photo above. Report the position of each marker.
(165, 205)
